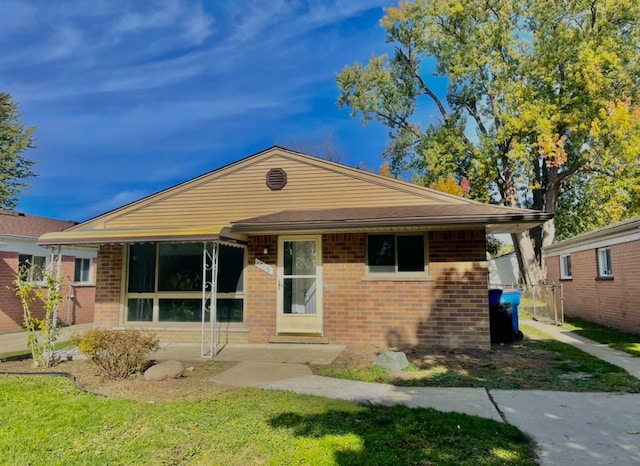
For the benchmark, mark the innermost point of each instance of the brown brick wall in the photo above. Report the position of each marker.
(449, 311)
(616, 302)
(76, 307)
(108, 285)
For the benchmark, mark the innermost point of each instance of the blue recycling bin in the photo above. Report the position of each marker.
(512, 297)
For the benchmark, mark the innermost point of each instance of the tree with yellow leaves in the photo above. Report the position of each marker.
(540, 109)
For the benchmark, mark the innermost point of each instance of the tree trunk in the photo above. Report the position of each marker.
(531, 269)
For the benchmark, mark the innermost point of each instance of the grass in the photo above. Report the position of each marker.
(623, 341)
(48, 421)
(539, 363)
(16, 354)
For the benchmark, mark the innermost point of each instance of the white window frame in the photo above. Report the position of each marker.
(605, 268)
(564, 273)
(395, 274)
(158, 295)
(31, 261)
(89, 279)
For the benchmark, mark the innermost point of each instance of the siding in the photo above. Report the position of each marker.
(239, 191)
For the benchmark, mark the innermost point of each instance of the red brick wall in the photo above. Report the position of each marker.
(616, 302)
(108, 285)
(76, 307)
(450, 310)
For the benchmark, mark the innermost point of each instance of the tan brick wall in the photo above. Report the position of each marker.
(108, 285)
(616, 302)
(449, 311)
(76, 307)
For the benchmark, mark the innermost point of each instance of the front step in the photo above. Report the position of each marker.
(300, 339)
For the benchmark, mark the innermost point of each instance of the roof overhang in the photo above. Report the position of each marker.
(139, 235)
(408, 218)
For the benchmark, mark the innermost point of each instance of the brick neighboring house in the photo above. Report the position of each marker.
(306, 250)
(600, 273)
(19, 235)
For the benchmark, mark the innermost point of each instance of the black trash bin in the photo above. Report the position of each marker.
(501, 323)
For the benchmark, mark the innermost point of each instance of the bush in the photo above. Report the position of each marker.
(117, 353)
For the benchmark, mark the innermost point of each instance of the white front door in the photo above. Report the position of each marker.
(299, 285)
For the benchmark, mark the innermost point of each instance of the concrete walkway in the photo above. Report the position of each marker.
(17, 341)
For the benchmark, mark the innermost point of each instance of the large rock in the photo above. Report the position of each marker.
(392, 360)
(164, 370)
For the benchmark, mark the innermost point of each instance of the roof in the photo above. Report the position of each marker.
(616, 233)
(14, 223)
(420, 215)
(317, 194)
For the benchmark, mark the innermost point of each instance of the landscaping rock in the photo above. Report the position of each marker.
(165, 370)
(392, 360)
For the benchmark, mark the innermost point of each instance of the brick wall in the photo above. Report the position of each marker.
(77, 305)
(108, 285)
(450, 310)
(616, 302)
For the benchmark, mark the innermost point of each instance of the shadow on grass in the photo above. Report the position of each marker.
(400, 435)
(623, 341)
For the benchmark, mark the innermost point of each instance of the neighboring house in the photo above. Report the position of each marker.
(306, 250)
(18, 246)
(504, 270)
(600, 273)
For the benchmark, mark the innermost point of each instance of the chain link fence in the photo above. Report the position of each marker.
(542, 302)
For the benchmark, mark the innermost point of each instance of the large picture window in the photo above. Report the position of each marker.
(396, 253)
(164, 283)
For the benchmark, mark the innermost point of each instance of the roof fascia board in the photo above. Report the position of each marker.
(560, 249)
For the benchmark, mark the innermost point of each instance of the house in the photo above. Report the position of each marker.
(19, 235)
(504, 270)
(285, 247)
(600, 273)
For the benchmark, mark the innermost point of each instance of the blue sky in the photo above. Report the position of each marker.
(131, 97)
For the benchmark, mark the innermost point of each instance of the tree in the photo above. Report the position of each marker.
(325, 147)
(541, 102)
(15, 139)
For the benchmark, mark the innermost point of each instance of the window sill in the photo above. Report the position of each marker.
(397, 277)
(185, 326)
(604, 279)
(566, 279)
(82, 284)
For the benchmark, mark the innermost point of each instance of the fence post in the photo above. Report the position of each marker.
(555, 303)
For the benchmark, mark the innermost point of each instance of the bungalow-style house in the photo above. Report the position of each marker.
(600, 273)
(19, 235)
(285, 247)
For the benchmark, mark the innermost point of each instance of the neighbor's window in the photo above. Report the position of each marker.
(165, 283)
(33, 267)
(565, 267)
(396, 253)
(82, 273)
(604, 263)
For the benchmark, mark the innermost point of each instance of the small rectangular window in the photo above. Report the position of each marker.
(396, 253)
(604, 262)
(82, 272)
(33, 267)
(565, 267)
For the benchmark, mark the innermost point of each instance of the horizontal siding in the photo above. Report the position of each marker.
(242, 193)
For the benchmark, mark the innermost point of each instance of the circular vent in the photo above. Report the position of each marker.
(276, 179)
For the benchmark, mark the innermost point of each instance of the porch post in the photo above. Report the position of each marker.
(209, 288)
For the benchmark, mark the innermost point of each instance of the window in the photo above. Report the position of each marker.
(164, 283)
(604, 263)
(33, 267)
(396, 253)
(82, 273)
(565, 267)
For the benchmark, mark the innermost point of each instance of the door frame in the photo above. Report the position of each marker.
(296, 323)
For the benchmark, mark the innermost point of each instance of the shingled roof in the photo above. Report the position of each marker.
(14, 223)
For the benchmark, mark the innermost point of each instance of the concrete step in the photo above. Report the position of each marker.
(297, 338)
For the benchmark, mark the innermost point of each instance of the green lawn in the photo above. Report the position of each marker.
(627, 342)
(539, 363)
(47, 421)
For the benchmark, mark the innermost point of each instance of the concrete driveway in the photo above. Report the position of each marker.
(576, 428)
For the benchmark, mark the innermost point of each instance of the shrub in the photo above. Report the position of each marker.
(118, 353)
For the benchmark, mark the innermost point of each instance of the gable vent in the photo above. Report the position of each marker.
(276, 179)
